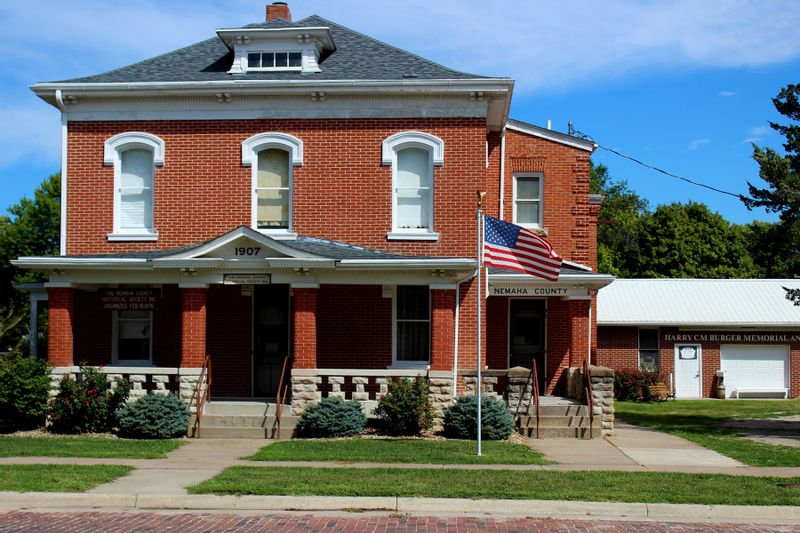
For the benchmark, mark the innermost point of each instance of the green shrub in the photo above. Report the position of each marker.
(461, 419)
(89, 405)
(332, 417)
(627, 383)
(155, 416)
(24, 392)
(406, 409)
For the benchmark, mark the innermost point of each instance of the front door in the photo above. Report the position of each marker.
(526, 335)
(687, 370)
(270, 338)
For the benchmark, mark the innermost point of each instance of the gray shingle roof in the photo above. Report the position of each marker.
(329, 249)
(357, 57)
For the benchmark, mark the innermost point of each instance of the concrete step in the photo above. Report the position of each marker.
(246, 421)
(244, 408)
(556, 421)
(216, 432)
(564, 410)
(561, 432)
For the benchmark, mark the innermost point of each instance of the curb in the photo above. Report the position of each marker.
(419, 506)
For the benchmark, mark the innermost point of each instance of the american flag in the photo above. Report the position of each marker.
(512, 247)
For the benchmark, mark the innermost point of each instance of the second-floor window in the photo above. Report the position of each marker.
(135, 191)
(528, 200)
(413, 155)
(273, 189)
(273, 157)
(134, 156)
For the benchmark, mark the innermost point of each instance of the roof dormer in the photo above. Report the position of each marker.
(265, 49)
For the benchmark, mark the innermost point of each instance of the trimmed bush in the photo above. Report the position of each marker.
(406, 409)
(628, 383)
(155, 416)
(332, 417)
(89, 405)
(461, 419)
(24, 392)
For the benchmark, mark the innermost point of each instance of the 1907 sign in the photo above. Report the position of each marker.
(130, 299)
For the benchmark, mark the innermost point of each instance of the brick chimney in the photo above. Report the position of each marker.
(278, 10)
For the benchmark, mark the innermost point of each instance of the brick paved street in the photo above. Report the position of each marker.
(150, 522)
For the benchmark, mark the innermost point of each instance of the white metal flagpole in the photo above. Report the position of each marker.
(480, 295)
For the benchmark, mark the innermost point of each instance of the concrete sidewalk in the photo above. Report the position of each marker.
(160, 484)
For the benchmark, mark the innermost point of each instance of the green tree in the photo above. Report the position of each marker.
(30, 229)
(782, 193)
(617, 231)
(689, 241)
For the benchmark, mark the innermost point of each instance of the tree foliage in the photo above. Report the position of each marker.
(781, 173)
(30, 229)
(675, 240)
(617, 232)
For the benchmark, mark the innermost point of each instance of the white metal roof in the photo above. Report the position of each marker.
(698, 302)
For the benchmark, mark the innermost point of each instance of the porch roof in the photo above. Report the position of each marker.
(299, 252)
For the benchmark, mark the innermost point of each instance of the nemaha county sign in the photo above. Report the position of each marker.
(130, 299)
(533, 290)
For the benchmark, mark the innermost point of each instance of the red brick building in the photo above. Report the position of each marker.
(742, 334)
(296, 194)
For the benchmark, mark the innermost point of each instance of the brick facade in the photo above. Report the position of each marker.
(193, 327)
(61, 319)
(618, 348)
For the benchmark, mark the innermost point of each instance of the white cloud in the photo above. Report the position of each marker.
(727, 93)
(697, 143)
(756, 134)
(33, 133)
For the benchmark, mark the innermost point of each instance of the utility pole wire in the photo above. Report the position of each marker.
(574, 132)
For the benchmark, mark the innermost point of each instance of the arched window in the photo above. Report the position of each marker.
(134, 156)
(412, 155)
(272, 157)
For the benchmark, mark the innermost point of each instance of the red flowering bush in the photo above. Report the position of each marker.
(628, 383)
(87, 406)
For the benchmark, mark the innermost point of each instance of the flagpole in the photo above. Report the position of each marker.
(479, 292)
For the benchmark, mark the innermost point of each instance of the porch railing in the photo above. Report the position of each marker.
(280, 400)
(587, 379)
(535, 393)
(202, 394)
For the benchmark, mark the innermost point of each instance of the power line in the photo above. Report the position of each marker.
(662, 171)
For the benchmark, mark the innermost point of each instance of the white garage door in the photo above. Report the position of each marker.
(754, 367)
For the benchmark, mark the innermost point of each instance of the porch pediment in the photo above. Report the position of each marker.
(242, 243)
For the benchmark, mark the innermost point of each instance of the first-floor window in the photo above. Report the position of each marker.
(133, 336)
(413, 323)
(648, 349)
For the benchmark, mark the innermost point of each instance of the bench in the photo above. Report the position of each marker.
(658, 392)
(777, 390)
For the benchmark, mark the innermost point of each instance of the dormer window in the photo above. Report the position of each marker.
(274, 60)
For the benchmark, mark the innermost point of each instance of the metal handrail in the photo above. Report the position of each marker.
(589, 397)
(535, 377)
(202, 394)
(283, 390)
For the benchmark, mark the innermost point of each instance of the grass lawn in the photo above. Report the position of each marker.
(86, 447)
(650, 487)
(57, 478)
(399, 451)
(700, 421)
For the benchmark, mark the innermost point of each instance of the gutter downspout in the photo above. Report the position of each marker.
(455, 342)
(63, 223)
(502, 169)
(589, 349)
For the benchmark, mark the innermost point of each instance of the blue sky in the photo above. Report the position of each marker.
(684, 85)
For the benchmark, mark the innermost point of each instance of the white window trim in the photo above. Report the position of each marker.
(639, 346)
(274, 69)
(435, 148)
(539, 175)
(250, 149)
(115, 344)
(409, 364)
(112, 156)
